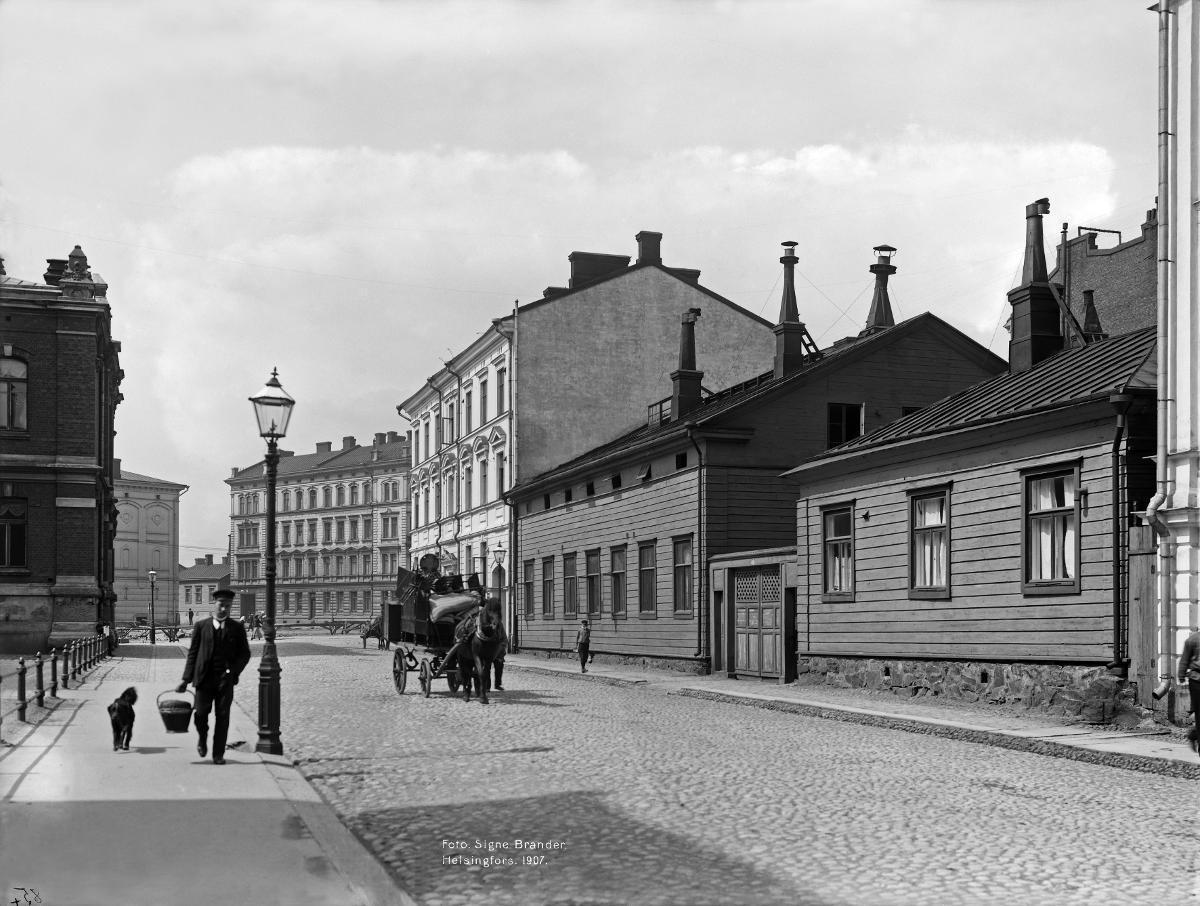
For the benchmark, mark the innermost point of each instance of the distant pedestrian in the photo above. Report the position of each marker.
(191, 616)
(256, 621)
(216, 658)
(1189, 670)
(583, 644)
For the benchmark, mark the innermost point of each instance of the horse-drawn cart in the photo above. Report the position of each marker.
(444, 618)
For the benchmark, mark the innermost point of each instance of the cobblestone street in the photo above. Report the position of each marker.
(652, 798)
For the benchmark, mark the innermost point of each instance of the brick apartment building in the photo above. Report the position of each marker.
(60, 381)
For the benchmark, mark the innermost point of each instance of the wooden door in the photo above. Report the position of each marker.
(757, 621)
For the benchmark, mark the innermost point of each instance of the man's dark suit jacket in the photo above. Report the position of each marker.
(200, 652)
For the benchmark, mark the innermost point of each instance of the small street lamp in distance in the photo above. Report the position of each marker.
(272, 410)
(153, 576)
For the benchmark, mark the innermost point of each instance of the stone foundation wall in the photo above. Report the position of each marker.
(1090, 694)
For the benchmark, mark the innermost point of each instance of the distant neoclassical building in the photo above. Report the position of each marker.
(60, 380)
(147, 539)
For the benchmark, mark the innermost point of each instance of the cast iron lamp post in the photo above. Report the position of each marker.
(153, 576)
(272, 409)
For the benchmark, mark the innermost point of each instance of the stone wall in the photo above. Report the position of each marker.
(1089, 694)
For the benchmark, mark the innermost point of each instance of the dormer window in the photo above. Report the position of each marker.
(645, 473)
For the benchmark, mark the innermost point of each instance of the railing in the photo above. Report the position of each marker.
(77, 657)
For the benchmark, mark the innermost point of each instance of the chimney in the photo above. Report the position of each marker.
(208, 559)
(224, 561)
(200, 560)
(380, 438)
(116, 467)
(685, 380)
(686, 274)
(325, 446)
(880, 315)
(233, 472)
(1093, 330)
(55, 268)
(392, 437)
(789, 332)
(348, 442)
(589, 266)
(649, 247)
(1036, 320)
(551, 292)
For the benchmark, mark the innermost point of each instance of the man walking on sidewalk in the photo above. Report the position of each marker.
(216, 658)
(1189, 670)
(583, 644)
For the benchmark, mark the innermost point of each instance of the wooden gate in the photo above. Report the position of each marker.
(757, 621)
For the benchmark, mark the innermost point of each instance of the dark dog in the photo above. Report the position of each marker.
(121, 713)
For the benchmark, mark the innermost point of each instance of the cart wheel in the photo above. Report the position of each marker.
(399, 672)
(426, 677)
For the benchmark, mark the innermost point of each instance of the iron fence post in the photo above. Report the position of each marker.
(54, 673)
(21, 703)
(39, 680)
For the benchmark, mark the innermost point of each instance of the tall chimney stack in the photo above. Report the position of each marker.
(1036, 320)
(649, 247)
(880, 315)
(789, 332)
(685, 380)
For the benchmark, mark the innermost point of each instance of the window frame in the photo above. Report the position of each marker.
(592, 581)
(929, 592)
(648, 580)
(843, 408)
(684, 570)
(570, 567)
(1036, 587)
(527, 576)
(618, 590)
(14, 528)
(16, 418)
(826, 512)
(548, 588)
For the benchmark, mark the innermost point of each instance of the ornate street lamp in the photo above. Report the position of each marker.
(272, 409)
(153, 576)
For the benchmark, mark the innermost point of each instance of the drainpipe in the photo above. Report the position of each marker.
(1166, 550)
(1119, 666)
(702, 610)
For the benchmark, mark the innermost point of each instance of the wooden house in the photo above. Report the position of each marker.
(621, 534)
(978, 548)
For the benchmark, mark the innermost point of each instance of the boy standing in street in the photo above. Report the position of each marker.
(583, 644)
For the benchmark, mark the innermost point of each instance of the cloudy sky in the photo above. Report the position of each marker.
(352, 190)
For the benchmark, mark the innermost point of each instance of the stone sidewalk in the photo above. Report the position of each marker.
(82, 824)
(1156, 750)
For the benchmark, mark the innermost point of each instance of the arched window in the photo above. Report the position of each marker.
(14, 393)
(341, 495)
(327, 496)
(312, 498)
(353, 494)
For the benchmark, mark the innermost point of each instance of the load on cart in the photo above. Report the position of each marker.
(458, 628)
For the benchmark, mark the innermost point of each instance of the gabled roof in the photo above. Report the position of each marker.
(396, 451)
(1069, 378)
(748, 393)
(288, 465)
(126, 475)
(202, 572)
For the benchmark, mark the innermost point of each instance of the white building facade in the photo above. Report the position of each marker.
(147, 539)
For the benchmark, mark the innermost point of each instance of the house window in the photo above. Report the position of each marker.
(590, 489)
(545, 501)
(501, 402)
(681, 460)
(483, 481)
(499, 473)
(593, 582)
(451, 424)
(341, 495)
(567, 496)
(341, 530)
(286, 528)
(13, 533)
(570, 599)
(14, 393)
(1051, 549)
(327, 530)
(428, 447)
(483, 403)
(527, 587)
(647, 578)
(353, 494)
(467, 495)
(616, 480)
(839, 551)
(548, 587)
(312, 498)
(682, 554)
(467, 411)
(327, 497)
(616, 559)
(845, 422)
(645, 473)
(353, 529)
(929, 543)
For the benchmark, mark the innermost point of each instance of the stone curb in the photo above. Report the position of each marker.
(964, 734)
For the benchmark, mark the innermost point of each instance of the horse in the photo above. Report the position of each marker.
(374, 630)
(484, 644)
